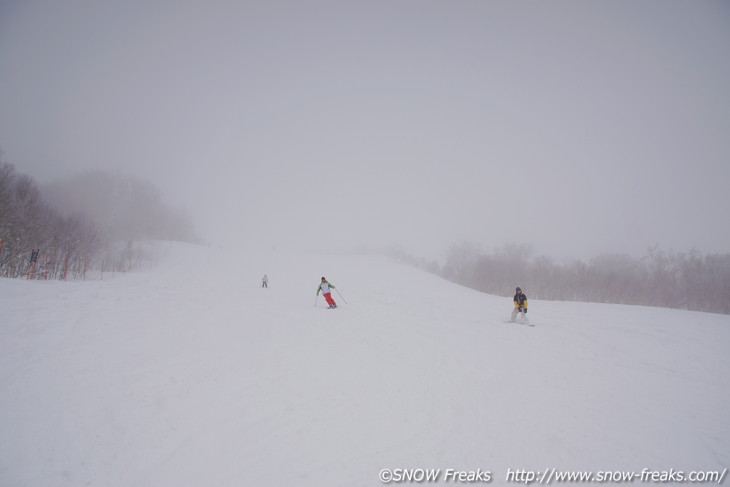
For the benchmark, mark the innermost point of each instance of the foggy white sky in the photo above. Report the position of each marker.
(580, 127)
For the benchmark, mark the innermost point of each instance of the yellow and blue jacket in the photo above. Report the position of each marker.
(520, 300)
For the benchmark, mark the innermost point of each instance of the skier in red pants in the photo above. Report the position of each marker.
(325, 286)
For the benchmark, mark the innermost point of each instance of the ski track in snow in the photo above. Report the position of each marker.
(190, 374)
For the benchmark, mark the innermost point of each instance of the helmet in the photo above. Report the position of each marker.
(323, 278)
(519, 290)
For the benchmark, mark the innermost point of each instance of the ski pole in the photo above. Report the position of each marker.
(343, 298)
(315, 299)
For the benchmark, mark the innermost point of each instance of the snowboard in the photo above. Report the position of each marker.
(526, 323)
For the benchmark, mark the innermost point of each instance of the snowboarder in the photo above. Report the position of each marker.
(265, 281)
(520, 301)
(325, 286)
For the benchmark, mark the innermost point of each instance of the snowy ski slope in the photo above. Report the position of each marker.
(190, 374)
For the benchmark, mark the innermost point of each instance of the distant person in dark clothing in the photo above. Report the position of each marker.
(520, 302)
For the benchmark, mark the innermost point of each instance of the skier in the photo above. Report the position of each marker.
(325, 286)
(520, 301)
(265, 281)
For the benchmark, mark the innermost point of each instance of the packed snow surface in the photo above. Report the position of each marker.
(190, 374)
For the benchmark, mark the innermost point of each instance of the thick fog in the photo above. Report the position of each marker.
(579, 127)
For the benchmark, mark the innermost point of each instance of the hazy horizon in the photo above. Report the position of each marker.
(580, 128)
